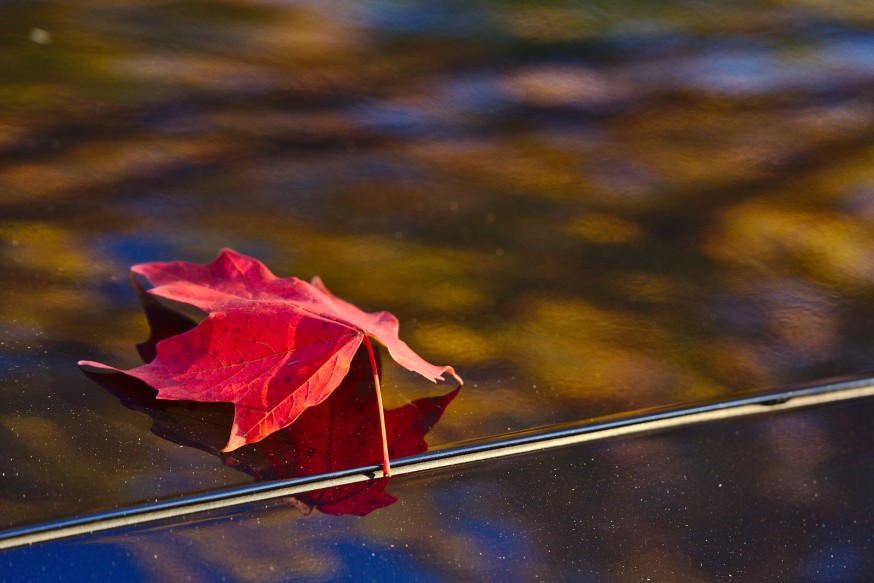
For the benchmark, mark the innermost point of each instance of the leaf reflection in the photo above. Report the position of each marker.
(340, 433)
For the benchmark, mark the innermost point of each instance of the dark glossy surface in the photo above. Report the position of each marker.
(783, 497)
(585, 208)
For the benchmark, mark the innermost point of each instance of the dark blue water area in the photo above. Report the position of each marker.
(83, 560)
(14, 363)
(850, 56)
(839, 563)
(364, 562)
(420, 18)
(129, 249)
(69, 561)
(123, 250)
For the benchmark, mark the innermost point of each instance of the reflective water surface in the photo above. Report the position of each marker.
(585, 208)
(783, 497)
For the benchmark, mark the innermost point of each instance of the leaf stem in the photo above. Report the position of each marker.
(386, 466)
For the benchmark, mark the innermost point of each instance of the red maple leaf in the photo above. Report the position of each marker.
(271, 346)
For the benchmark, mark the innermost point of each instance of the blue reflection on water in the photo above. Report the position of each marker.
(132, 249)
(361, 562)
(423, 17)
(395, 118)
(741, 72)
(94, 562)
(836, 564)
(855, 53)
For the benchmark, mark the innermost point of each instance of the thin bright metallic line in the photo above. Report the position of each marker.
(501, 447)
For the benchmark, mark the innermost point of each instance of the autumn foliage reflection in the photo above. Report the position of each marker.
(340, 433)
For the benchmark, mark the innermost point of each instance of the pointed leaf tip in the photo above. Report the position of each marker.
(91, 366)
(235, 442)
(451, 371)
